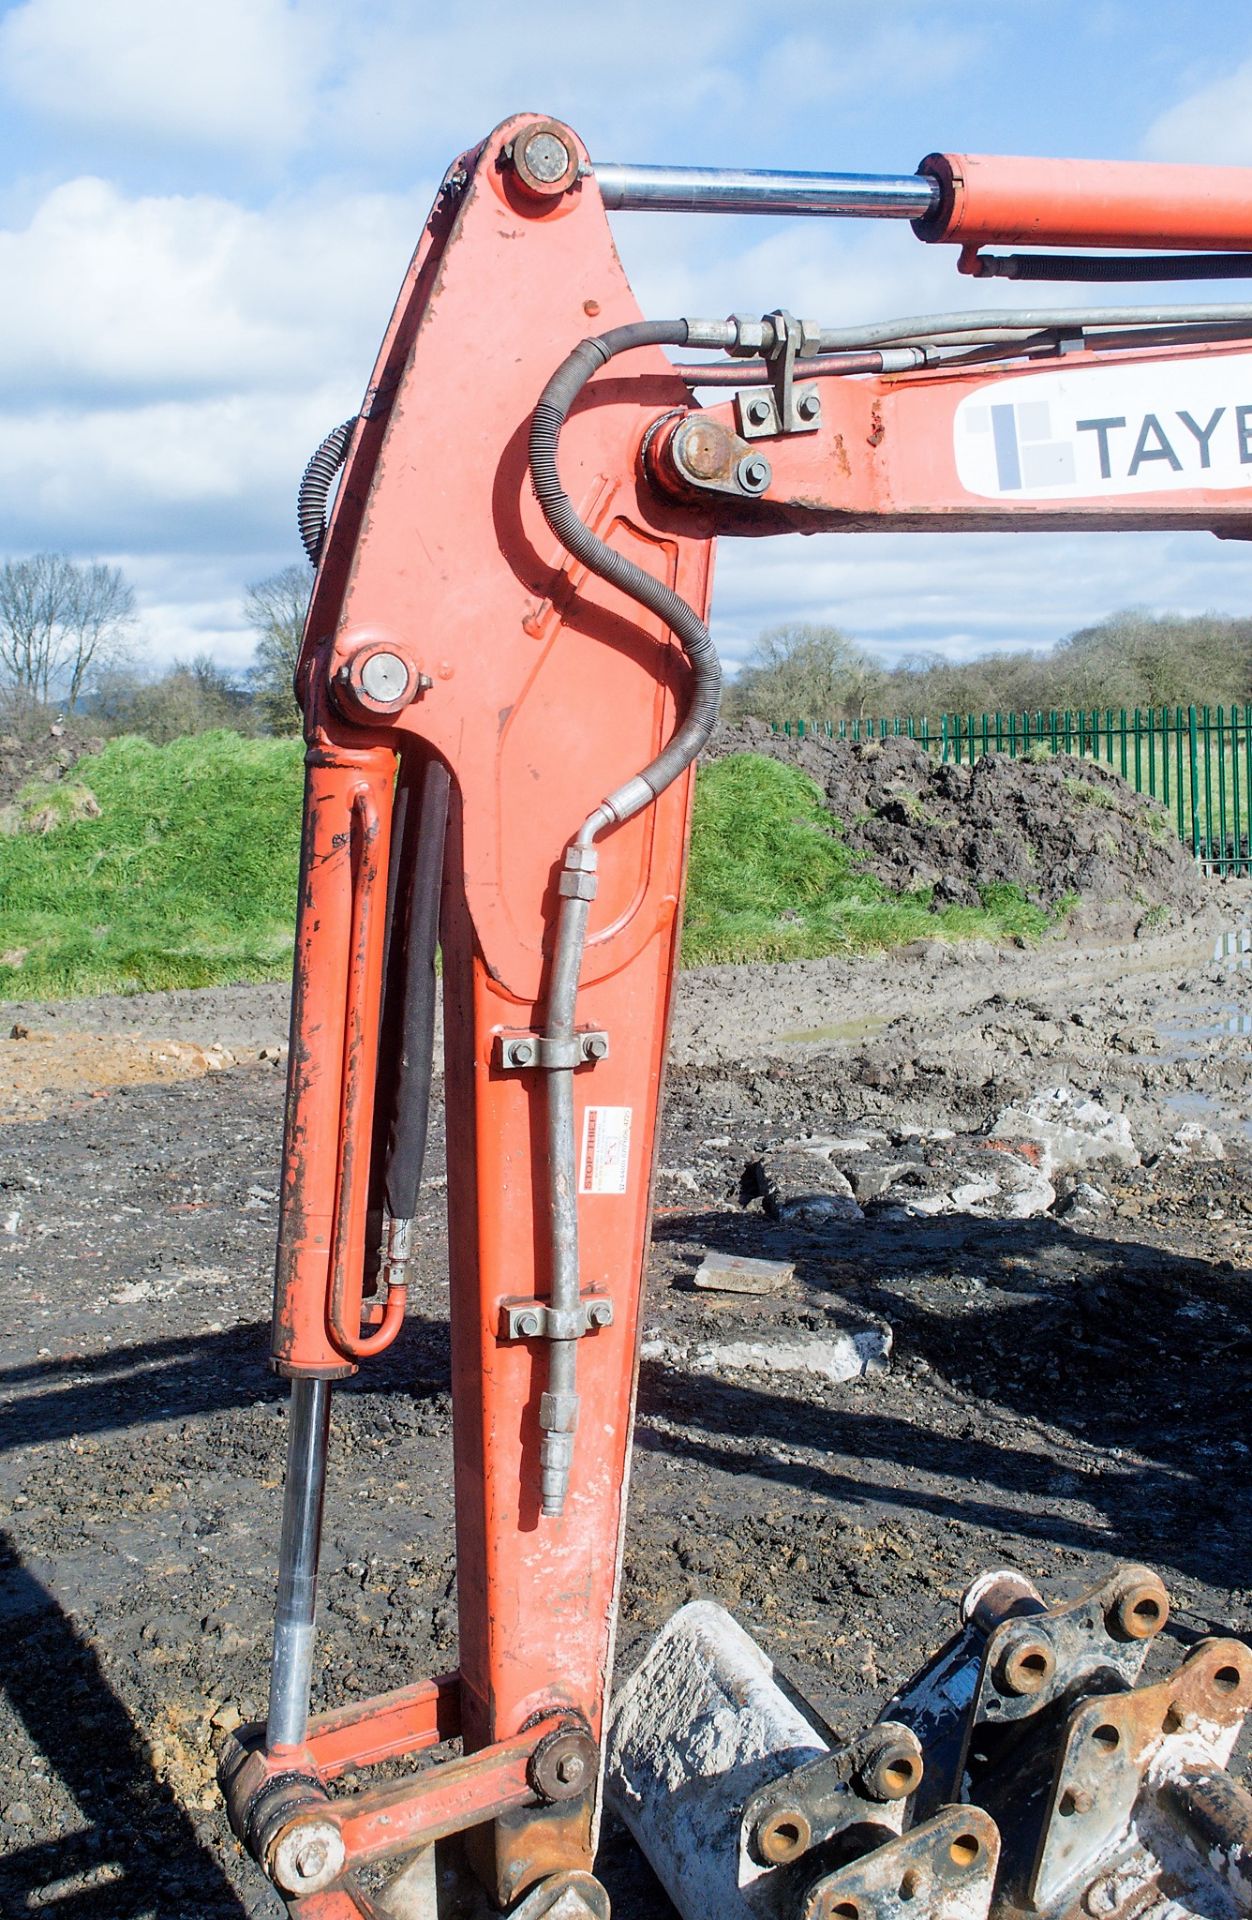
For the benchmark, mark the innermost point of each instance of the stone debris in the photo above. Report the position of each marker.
(737, 1273)
(834, 1357)
(1196, 1142)
(1068, 1130)
(1081, 1203)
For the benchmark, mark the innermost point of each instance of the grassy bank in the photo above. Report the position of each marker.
(175, 866)
(771, 879)
(185, 877)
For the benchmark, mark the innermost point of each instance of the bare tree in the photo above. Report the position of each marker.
(275, 608)
(803, 671)
(58, 619)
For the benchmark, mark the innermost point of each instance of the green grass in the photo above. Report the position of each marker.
(771, 879)
(186, 877)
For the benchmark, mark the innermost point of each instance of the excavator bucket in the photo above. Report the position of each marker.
(1027, 1769)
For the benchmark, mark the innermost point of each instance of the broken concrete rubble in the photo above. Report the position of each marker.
(737, 1273)
(1193, 1141)
(1069, 1130)
(833, 1357)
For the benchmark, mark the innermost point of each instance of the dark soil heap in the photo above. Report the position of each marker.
(48, 753)
(1056, 826)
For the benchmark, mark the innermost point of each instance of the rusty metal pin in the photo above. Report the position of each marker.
(783, 1836)
(1141, 1607)
(894, 1770)
(1027, 1663)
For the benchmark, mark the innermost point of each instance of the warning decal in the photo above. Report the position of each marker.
(603, 1163)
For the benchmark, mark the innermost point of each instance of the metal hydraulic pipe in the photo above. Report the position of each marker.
(857, 196)
(292, 1665)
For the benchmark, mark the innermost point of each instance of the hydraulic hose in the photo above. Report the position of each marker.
(558, 1411)
(574, 534)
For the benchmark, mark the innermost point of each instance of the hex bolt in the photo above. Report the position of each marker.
(521, 1053)
(570, 1769)
(758, 412)
(528, 1325)
(600, 1314)
(754, 473)
(809, 406)
(595, 1047)
(310, 1860)
(546, 157)
(307, 1857)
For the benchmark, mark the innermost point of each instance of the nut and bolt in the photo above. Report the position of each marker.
(521, 1053)
(754, 473)
(529, 1325)
(311, 1859)
(307, 1857)
(758, 412)
(595, 1047)
(809, 406)
(570, 1769)
(600, 1314)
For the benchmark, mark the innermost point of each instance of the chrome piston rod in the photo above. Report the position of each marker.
(858, 196)
(292, 1666)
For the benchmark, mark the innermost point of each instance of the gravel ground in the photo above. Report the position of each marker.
(1060, 1396)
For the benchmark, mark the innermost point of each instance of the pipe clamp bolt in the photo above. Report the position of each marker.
(754, 473)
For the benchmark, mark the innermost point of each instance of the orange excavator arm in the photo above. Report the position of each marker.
(506, 678)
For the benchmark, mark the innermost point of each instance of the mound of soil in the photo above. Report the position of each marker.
(1054, 827)
(48, 754)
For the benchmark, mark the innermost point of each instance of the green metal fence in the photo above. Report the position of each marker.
(1197, 761)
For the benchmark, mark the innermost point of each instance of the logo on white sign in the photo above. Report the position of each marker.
(1157, 427)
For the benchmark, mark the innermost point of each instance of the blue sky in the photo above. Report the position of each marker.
(206, 208)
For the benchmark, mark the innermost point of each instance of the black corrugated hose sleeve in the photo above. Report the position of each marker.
(315, 488)
(694, 637)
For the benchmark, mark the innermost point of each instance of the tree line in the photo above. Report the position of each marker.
(1131, 659)
(67, 643)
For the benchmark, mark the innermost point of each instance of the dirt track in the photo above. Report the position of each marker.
(1059, 1396)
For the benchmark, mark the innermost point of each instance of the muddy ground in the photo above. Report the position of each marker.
(1060, 1396)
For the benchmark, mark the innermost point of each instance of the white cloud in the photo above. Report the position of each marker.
(1213, 125)
(169, 476)
(181, 295)
(235, 74)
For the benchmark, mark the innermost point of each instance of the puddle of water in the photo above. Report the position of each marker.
(1233, 948)
(839, 1030)
(1207, 1108)
(1180, 1034)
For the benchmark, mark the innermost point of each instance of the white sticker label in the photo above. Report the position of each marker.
(605, 1158)
(1162, 426)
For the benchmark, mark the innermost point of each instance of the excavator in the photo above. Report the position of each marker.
(507, 677)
